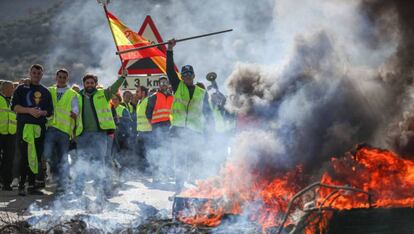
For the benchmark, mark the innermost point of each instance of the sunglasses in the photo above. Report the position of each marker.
(187, 74)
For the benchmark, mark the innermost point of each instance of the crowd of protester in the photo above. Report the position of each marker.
(41, 126)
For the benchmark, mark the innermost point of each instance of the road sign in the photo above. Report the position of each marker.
(133, 82)
(150, 32)
(146, 65)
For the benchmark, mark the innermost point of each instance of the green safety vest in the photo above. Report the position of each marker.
(188, 112)
(130, 107)
(7, 118)
(143, 124)
(119, 110)
(61, 111)
(103, 112)
(222, 124)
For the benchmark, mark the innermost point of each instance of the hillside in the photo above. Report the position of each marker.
(20, 9)
(26, 40)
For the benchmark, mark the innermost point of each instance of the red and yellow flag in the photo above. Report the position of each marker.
(126, 39)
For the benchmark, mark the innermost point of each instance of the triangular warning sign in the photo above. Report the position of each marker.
(150, 32)
(146, 66)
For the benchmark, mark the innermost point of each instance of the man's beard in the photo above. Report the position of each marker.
(90, 89)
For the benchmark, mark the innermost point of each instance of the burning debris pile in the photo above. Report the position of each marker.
(317, 105)
(367, 178)
(382, 173)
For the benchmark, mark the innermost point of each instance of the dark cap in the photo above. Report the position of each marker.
(187, 70)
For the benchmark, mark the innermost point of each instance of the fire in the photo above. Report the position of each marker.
(235, 191)
(382, 173)
(387, 178)
(208, 214)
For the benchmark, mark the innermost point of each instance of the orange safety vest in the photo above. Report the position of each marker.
(162, 108)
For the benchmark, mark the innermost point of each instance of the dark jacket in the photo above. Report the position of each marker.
(33, 96)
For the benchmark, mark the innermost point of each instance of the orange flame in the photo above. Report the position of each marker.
(207, 215)
(235, 189)
(383, 174)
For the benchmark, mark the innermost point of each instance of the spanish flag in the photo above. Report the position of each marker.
(126, 39)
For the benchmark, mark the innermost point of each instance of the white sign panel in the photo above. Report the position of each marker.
(132, 82)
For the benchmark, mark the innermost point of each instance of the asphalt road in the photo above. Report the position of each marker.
(13, 206)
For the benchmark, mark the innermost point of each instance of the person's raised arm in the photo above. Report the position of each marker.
(172, 75)
(113, 89)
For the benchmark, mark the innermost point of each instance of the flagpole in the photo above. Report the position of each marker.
(177, 40)
(112, 32)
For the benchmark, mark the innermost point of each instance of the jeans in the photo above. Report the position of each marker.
(55, 152)
(93, 161)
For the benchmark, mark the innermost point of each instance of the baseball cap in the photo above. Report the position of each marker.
(187, 70)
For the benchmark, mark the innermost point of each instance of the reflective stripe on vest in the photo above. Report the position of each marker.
(143, 125)
(103, 112)
(61, 111)
(162, 108)
(188, 112)
(7, 118)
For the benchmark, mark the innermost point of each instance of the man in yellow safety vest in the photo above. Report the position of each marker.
(61, 127)
(7, 134)
(144, 127)
(93, 125)
(191, 114)
(123, 120)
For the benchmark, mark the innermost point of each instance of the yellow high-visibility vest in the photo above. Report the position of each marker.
(103, 112)
(222, 125)
(30, 133)
(8, 121)
(119, 110)
(61, 111)
(143, 125)
(130, 107)
(188, 112)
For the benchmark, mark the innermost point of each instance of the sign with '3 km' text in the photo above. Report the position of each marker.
(133, 82)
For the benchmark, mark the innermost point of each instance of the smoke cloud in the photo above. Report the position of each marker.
(341, 84)
(394, 22)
